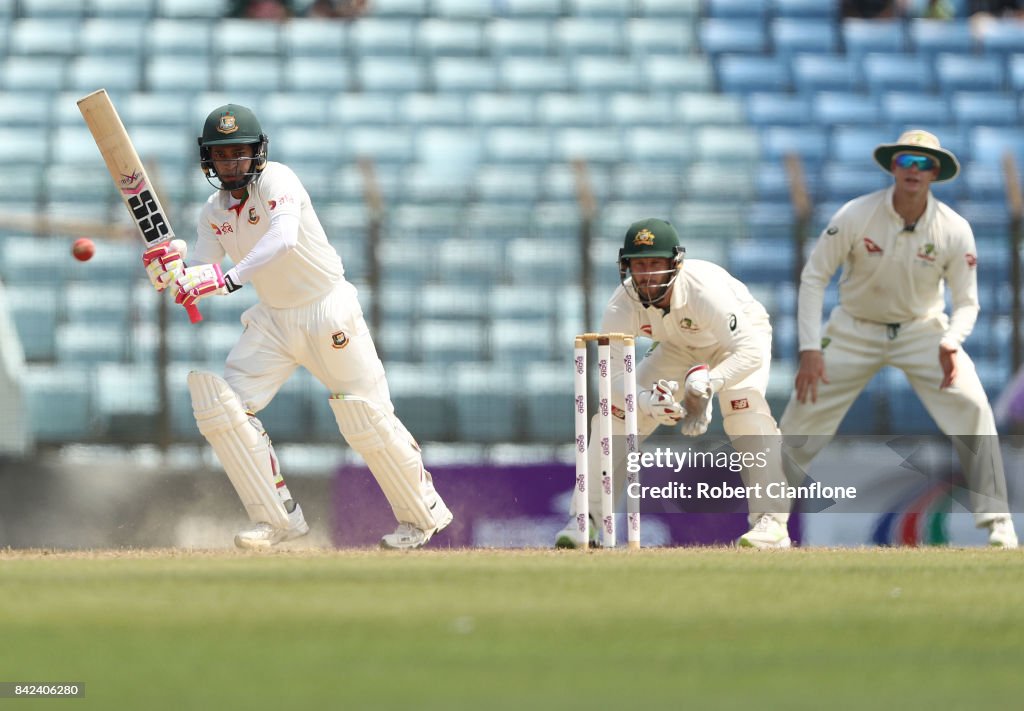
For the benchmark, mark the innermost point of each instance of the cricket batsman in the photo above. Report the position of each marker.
(713, 337)
(307, 315)
(899, 248)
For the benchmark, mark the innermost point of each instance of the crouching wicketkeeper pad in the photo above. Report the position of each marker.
(748, 421)
(393, 458)
(242, 446)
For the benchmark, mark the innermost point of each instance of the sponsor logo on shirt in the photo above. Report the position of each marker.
(972, 261)
(927, 252)
(283, 200)
(224, 228)
(732, 322)
(831, 230)
(871, 247)
(645, 329)
(253, 217)
(687, 324)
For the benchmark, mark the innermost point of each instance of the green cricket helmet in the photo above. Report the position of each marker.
(227, 125)
(651, 238)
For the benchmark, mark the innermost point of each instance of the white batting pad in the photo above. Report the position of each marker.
(241, 445)
(752, 429)
(393, 458)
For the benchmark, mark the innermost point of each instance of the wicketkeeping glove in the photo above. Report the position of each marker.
(164, 262)
(198, 282)
(697, 399)
(660, 403)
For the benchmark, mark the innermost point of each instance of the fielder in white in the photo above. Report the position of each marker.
(308, 315)
(899, 247)
(714, 336)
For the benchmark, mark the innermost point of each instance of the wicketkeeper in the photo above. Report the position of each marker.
(308, 315)
(713, 337)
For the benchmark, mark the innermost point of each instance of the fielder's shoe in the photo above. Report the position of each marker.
(263, 535)
(1001, 533)
(766, 533)
(569, 537)
(408, 537)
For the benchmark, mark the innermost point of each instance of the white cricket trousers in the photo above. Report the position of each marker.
(857, 349)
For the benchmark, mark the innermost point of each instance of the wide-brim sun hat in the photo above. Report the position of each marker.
(918, 141)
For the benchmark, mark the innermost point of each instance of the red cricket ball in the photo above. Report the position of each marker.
(83, 249)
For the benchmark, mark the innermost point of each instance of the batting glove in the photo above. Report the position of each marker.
(660, 404)
(164, 262)
(697, 392)
(195, 283)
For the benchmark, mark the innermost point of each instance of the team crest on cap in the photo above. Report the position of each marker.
(644, 238)
(227, 123)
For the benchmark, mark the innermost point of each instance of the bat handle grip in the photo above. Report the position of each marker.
(193, 314)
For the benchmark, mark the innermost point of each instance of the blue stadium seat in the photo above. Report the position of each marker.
(863, 36)
(313, 75)
(432, 109)
(684, 9)
(496, 109)
(423, 400)
(91, 342)
(122, 37)
(595, 145)
(60, 402)
(429, 185)
(548, 398)
(122, 9)
(887, 71)
(516, 144)
(530, 262)
(671, 74)
(645, 36)
(809, 142)
(842, 183)
(373, 36)
(1002, 38)
(742, 9)
(989, 144)
(447, 38)
(487, 401)
(805, 8)
(32, 74)
(658, 109)
(752, 260)
(190, 38)
(401, 8)
(385, 145)
(446, 342)
(854, 146)
(464, 74)
(245, 37)
(985, 108)
(526, 302)
(391, 74)
(930, 37)
(559, 184)
(599, 8)
(295, 144)
(645, 144)
(820, 72)
(240, 73)
(741, 74)
(764, 109)
(22, 145)
(791, 36)
(771, 220)
(312, 37)
(39, 36)
(714, 221)
(34, 310)
(715, 182)
(1016, 71)
(707, 109)
(838, 107)
(604, 74)
(959, 72)
(178, 73)
(507, 37)
(984, 181)
(718, 35)
(589, 35)
(558, 110)
(461, 9)
(206, 9)
(534, 74)
(358, 109)
(907, 107)
(519, 341)
(638, 182)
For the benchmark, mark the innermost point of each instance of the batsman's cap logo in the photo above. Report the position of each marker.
(227, 123)
(644, 238)
(339, 340)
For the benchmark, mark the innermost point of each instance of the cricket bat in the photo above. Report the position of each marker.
(128, 173)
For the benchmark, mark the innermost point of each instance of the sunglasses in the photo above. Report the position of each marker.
(907, 160)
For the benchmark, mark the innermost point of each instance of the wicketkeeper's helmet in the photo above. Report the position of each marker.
(651, 238)
(232, 124)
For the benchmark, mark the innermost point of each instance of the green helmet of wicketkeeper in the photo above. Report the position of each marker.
(231, 125)
(646, 239)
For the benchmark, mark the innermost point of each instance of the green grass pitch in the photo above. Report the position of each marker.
(659, 629)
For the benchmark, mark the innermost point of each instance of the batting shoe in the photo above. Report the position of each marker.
(1001, 533)
(569, 537)
(766, 533)
(409, 537)
(263, 535)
